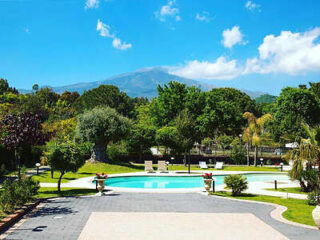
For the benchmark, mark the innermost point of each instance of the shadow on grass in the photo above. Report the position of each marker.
(67, 193)
(228, 194)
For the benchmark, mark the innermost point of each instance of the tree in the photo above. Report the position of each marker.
(4, 87)
(255, 133)
(142, 134)
(166, 136)
(293, 107)
(35, 88)
(69, 97)
(223, 111)
(305, 157)
(238, 153)
(105, 96)
(18, 131)
(101, 126)
(224, 141)
(173, 98)
(65, 157)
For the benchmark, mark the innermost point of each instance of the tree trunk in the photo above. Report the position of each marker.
(248, 157)
(99, 153)
(255, 155)
(51, 170)
(59, 181)
(189, 163)
(17, 160)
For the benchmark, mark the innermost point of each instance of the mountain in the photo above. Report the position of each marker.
(141, 83)
(266, 98)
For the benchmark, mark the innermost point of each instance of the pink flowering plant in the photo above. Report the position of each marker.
(101, 176)
(207, 176)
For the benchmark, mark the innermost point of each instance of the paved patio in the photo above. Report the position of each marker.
(71, 218)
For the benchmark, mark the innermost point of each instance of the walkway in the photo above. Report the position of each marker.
(72, 218)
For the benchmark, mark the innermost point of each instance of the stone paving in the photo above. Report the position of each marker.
(65, 218)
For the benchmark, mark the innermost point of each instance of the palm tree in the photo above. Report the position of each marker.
(308, 153)
(255, 133)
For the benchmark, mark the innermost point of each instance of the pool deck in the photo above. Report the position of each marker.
(152, 216)
(253, 187)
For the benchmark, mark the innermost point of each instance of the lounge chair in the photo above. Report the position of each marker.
(203, 165)
(148, 167)
(162, 166)
(219, 165)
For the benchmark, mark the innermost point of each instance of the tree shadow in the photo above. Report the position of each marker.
(50, 211)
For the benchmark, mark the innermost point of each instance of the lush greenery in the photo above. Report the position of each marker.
(237, 183)
(105, 124)
(17, 193)
(298, 210)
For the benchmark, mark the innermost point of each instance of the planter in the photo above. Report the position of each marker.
(316, 216)
(100, 186)
(207, 184)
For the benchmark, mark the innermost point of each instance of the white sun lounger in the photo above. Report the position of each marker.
(219, 165)
(148, 167)
(162, 166)
(203, 165)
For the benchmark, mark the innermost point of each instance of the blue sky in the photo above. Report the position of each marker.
(260, 45)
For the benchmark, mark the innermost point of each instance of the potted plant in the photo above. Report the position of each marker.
(207, 178)
(100, 178)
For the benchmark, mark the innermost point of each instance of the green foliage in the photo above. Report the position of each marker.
(102, 125)
(224, 141)
(238, 152)
(312, 198)
(293, 107)
(16, 194)
(167, 136)
(105, 96)
(172, 99)
(237, 183)
(114, 152)
(223, 111)
(266, 98)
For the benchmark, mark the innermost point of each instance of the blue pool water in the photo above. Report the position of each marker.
(181, 181)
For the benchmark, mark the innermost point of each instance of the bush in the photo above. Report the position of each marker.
(312, 198)
(237, 183)
(16, 194)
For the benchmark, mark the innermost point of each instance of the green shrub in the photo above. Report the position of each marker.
(237, 183)
(312, 198)
(238, 152)
(16, 194)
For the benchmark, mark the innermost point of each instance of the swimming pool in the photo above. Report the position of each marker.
(163, 182)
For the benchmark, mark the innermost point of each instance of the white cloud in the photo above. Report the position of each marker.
(116, 43)
(290, 53)
(104, 31)
(92, 4)
(203, 17)
(27, 30)
(168, 10)
(220, 69)
(232, 36)
(252, 6)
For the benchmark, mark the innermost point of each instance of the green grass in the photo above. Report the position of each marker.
(90, 169)
(298, 210)
(46, 192)
(289, 190)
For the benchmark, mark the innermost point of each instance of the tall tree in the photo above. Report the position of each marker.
(223, 111)
(18, 131)
(101, 126)
(105, 95)
(255, 133)
(293, 107)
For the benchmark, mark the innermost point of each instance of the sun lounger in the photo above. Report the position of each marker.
(148, 166)
(219, 165)
(288, 168)
(162, 166)
(203, 165)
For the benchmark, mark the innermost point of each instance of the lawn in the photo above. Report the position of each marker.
(90, 169)
(46, 192)
(288, 190)
(298, 210)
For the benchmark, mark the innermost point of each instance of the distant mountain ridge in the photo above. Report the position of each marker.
(141, 83)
